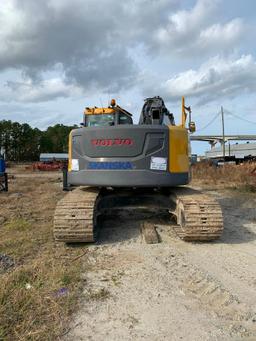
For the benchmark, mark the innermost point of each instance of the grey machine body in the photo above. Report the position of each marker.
(123, 155)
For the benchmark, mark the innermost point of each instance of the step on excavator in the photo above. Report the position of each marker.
(115, 164)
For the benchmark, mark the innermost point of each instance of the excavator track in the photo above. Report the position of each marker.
(199, 216)
(75, 218)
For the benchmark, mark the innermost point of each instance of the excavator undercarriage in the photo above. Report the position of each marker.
(79, 214)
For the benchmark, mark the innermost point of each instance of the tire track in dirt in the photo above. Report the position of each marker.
(171, 290)
(236, 317)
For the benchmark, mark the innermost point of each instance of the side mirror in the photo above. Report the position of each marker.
(192, 127)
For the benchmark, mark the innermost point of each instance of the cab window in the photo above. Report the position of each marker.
(100, 120)
(124, 119)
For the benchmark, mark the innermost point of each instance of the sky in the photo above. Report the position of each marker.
(59, 56)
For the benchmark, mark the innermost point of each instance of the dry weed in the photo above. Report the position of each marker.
(39, 293)
(241, 177)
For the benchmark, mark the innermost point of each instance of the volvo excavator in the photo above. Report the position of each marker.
(114, 163)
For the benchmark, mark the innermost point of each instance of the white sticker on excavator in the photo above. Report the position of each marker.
(158, 163)
(75, 165)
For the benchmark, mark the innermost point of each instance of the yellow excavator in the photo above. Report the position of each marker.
(114, 163)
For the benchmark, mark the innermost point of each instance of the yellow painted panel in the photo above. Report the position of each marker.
(99, 111)
(70, 152)
(178, 149)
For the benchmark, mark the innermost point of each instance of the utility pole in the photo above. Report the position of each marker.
(223, 133)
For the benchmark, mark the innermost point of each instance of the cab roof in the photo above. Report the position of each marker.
(108, 110)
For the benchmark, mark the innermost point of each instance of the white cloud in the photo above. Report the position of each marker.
(188, 32)
(217, 78)
(45, 90)
(184, 21)
(221, 36)
(38, 35)
(88, 43)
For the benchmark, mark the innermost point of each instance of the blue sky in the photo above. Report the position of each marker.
(58, 56)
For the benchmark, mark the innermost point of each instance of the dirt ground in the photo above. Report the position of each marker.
(173, 290)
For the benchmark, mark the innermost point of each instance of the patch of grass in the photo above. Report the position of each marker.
(70, 277)
(246, 188)
(133, 319)
(18, 224)
(21, 245)
(116, 278)
(249, 188)
(100, 294)
(1, 333)
(36, 312)
(33, 305)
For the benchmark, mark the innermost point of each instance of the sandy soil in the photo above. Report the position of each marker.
(172, 290)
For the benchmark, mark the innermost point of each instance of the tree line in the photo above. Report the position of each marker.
(21, 142)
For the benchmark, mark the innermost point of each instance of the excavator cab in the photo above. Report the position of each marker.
(110, 116)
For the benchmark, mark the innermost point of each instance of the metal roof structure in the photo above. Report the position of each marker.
(53, 156)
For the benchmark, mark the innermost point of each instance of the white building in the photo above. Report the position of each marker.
(237, 151)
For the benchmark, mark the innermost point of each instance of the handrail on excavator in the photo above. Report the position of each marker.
(185, 111)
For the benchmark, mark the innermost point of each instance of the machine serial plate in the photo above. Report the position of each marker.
(158, 163)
